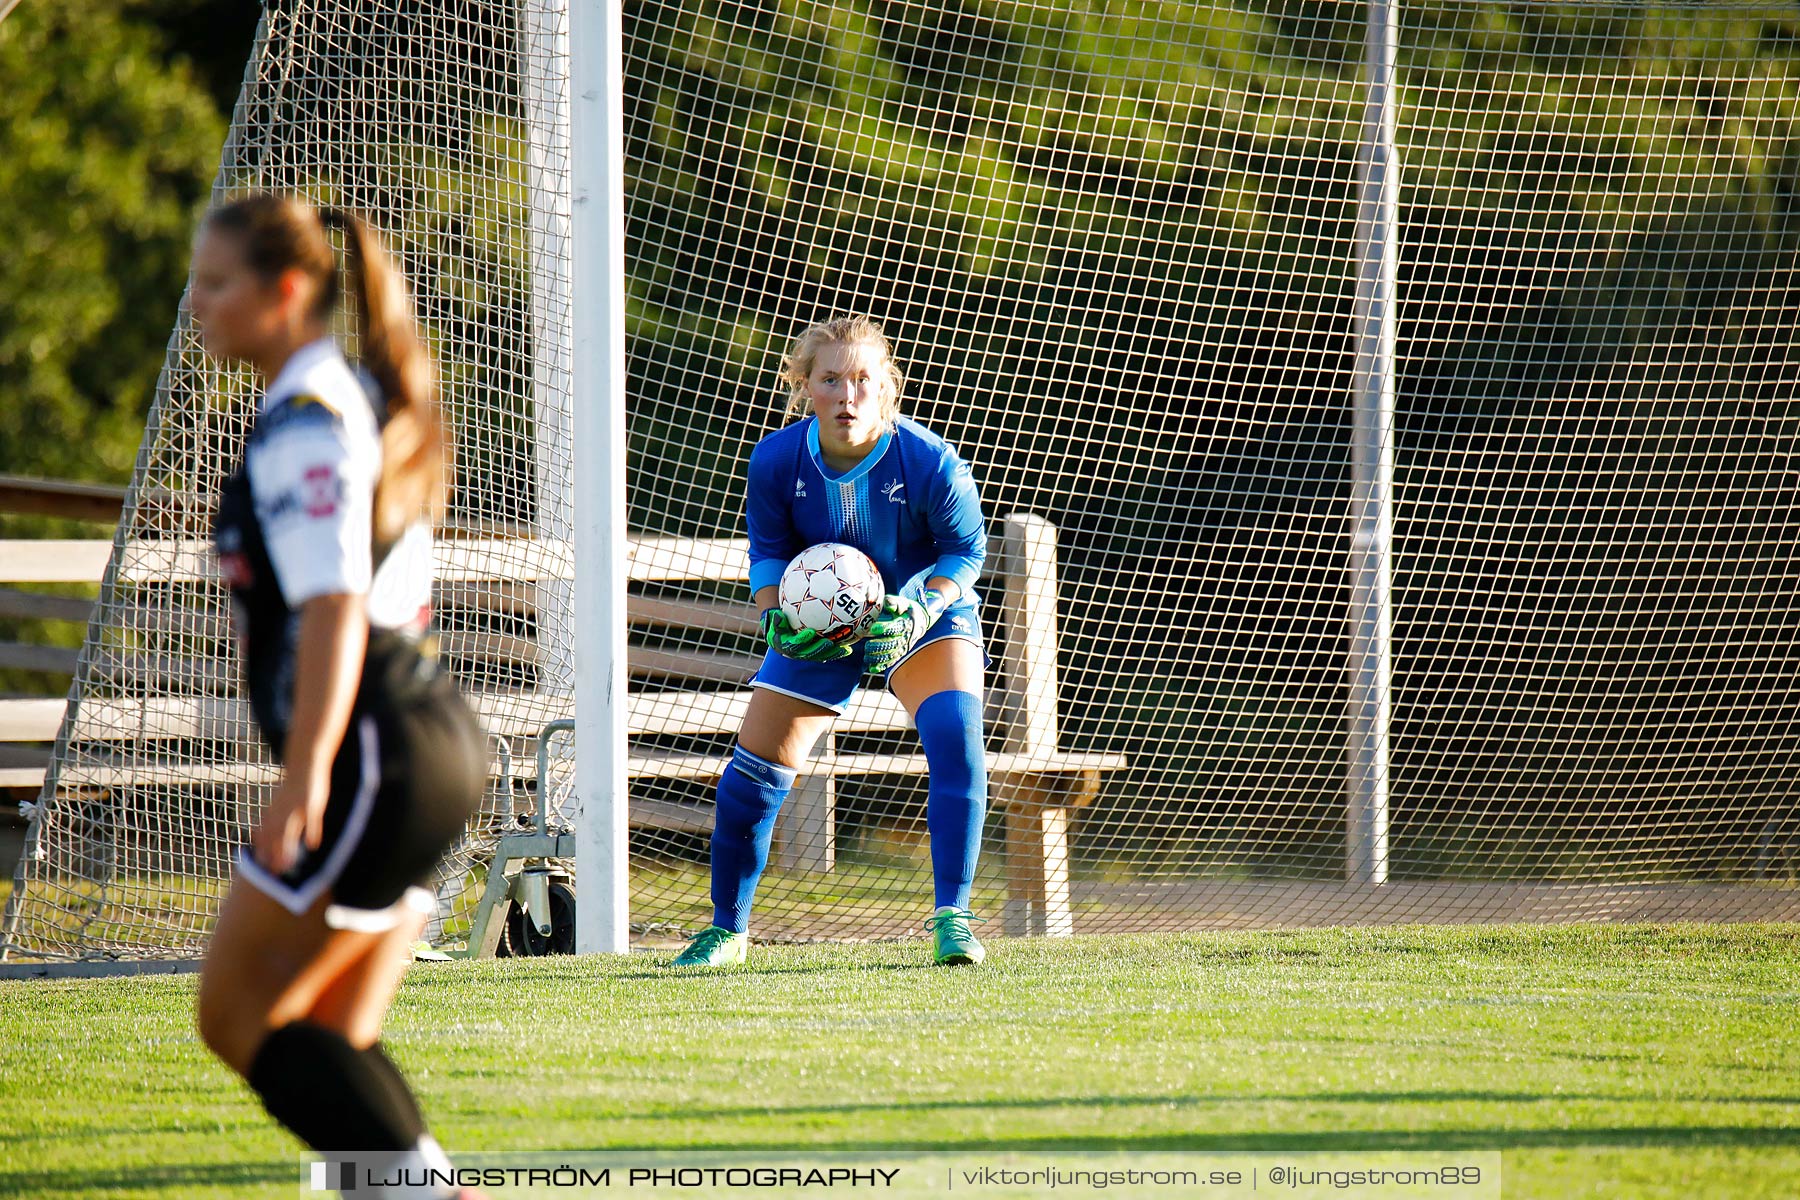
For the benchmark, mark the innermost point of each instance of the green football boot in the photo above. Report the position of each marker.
(714, 947)
(952, 945)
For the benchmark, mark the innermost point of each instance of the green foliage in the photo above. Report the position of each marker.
(108, 147)
(214, 37)
(1043, 190)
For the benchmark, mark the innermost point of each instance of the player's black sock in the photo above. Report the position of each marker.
(399, 1091)
(332, 1095)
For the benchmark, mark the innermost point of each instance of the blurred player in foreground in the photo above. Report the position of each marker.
(324, 538)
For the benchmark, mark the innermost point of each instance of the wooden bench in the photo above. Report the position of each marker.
(1034, 784)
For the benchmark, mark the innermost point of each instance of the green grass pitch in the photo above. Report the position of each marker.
(1600, 1060)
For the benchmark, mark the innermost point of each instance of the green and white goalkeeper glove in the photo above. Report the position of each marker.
(903, 621)
(807, 645)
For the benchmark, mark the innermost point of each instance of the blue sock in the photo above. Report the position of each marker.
(956, 800)
(751, 790)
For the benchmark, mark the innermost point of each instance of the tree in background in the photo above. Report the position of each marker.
(109, 146)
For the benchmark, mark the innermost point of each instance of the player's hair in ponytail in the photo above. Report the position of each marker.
(284, 233)
(281, 233)
(797, 367)
(412, 439)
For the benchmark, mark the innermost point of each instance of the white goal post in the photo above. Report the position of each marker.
(597, 180)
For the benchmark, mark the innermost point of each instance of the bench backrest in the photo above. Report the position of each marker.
(504, 574)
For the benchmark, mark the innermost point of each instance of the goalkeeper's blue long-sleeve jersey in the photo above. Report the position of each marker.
(910, 505)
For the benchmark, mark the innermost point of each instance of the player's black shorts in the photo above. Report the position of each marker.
(408, 777)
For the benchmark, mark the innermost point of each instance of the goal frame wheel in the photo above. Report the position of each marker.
(519, 935)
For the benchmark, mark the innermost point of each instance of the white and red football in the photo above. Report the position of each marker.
(832, 589)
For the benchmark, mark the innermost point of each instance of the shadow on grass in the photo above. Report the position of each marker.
(87, 1133)
(750, 970)
(762, 970)
(177, 1178)
(1345, 1140)
(1164, 1101)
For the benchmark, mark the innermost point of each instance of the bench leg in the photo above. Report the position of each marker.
(1037, 872)
(806, 831)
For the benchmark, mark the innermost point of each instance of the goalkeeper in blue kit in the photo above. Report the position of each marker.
(855, 471)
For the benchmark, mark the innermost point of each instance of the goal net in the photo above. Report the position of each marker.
(1118, 249)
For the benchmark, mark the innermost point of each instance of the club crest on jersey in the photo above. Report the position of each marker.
(321, 491)
(892, 491)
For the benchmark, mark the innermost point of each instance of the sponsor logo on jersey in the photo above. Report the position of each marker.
(279, 507)
(317, 495)
(960, 624)
(892, 491)
(800, 488)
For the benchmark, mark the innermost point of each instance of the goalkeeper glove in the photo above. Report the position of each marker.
(807, 645)
(903, 621)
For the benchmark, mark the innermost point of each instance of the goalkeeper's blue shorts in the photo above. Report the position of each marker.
(831, 684)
